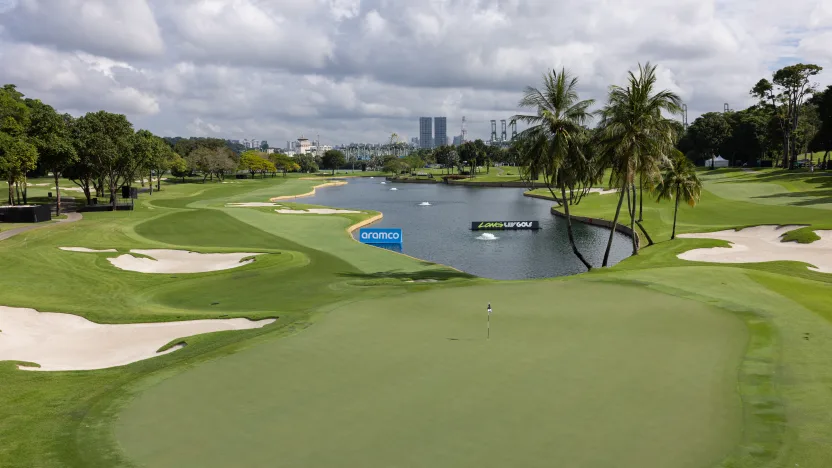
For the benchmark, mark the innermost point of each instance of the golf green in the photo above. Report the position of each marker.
(579, 373)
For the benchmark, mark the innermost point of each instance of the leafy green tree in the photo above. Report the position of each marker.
(107, 139)
(17, 157)
(17, 154)
(143, 152)
(264, 146)
(333, 159)
(50, 133)
(709, 132)
(251, 161)
(553, 137)
(747, 139)
(306, 162)
(393, 164)
(284, 163)
(679, 182)
(161, 160)
(636, 138)
(179, 167)
(785, 93)
(823, 138)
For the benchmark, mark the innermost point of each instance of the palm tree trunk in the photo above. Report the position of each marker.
(614, 224)
(633, 219)
(569, 230)
(640, 198)
(675, 211)
(57, 195)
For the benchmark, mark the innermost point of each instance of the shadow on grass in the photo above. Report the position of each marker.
(818, 197)
(414, 276)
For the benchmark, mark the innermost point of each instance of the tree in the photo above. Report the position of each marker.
(679, 182)
(393, 164)
(307, 163)
(747, 139)
(143, 152)
(333, 159)
(17, 154)
(179, 167)
(823, 138)
(708, 133)
(161, 160)
(264, 146)
(284, 163)
(789, 88)
(553, 135)
(636, 138)
(107, 139)
(50, 133)
(212, 162)
(251, 161)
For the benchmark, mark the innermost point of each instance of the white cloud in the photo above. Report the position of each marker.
(359, 70)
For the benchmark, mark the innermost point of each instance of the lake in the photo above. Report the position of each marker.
(441, 231)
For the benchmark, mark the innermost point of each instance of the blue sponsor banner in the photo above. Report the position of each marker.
(380, 236)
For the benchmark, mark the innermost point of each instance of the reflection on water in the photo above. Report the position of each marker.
(442, 233)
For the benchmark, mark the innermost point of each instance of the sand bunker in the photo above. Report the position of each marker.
(62, 342)
(85, 250)
(251, 204)
(763, 244)
(324, 211)
(180, 261)
(70, 189)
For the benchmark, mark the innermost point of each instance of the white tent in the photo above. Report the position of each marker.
(717, 161)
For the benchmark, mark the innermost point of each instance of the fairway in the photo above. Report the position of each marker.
(634, 378)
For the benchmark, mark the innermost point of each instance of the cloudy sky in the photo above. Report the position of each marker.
(359, 70)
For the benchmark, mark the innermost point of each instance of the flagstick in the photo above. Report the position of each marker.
(488, 321)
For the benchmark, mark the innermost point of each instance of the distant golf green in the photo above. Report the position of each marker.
(412, 381)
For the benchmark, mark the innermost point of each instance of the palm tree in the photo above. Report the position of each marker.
(636, 137)
(553, 136)
(680, 182)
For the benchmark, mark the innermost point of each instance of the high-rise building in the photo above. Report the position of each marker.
(457, 140)
(414, 142)
(425, 132)
(440, 125)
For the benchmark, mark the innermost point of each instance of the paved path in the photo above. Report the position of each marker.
(70, 218)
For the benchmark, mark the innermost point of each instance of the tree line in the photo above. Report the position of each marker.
(100, 152)
(792, 117)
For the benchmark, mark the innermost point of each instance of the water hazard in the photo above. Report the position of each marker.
(436, 223)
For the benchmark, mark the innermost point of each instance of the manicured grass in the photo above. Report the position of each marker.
(656, 362)
(404, 382)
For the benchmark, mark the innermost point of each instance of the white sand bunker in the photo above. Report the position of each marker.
(324, 211)
(252, 204)
(763, 244)
(180, 261)
(63, 342)
(85, 250)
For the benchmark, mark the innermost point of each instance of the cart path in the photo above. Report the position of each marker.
(70, 218)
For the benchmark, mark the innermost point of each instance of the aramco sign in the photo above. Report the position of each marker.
(380, 236)
(503, 225)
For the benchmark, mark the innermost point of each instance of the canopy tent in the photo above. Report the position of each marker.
(717, 161)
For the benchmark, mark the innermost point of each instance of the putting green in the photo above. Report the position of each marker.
(632, 378)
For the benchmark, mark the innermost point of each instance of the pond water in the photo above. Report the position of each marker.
(436, 222)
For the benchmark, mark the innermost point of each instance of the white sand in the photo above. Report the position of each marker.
(179, 261)
(323, 211)
(37, 185)
(763, 244)
(252, 204)
(86, 250)
(62, 342)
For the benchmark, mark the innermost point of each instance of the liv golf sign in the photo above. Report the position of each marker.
(380, 236)
(503, 225)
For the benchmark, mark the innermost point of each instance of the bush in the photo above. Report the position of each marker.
(454, 177)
